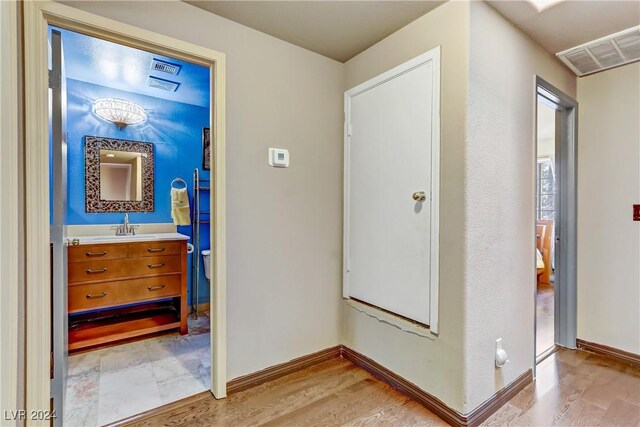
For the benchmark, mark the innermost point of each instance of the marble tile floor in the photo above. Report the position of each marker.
(107, 385)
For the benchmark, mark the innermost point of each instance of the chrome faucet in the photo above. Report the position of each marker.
(125, 229)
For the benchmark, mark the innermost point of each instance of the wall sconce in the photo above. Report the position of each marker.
(119, 111)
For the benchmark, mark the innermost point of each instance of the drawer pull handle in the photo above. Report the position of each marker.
(103, 253)
(92, 271)
(161, 264)
(102, 295)
(155, 249)
(155, 288)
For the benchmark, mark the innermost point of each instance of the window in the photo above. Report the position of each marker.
(545, 189)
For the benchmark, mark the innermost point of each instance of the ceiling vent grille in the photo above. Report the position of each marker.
(158, 83)
(165, 67)
(608, 52)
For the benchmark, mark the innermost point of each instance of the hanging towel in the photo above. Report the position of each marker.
(180, 206)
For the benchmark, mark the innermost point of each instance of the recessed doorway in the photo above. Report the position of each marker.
(121, 143)
(555, 220)
(545, 221)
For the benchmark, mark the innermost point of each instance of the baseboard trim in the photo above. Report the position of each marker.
(435, 405)
(431, 402)
(612, 352)
(501, 397)
(274, 372)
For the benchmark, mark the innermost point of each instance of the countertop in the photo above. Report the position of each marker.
(155, 237)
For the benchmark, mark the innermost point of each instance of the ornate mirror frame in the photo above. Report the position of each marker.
(93, 203)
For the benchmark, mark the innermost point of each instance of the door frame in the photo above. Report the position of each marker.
(433, 56)
(565, 239)
(11, 270)
(37, 16)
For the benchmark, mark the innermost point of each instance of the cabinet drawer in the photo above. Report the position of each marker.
(151, 288)
(95, 252)
(89, 297)
(149, 249)
(98, 270)
(108, 294)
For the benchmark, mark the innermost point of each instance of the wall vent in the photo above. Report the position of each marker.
(608, 52)
(165, 67)
(158, 83)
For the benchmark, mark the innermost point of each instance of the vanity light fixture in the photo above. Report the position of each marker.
(119, 111)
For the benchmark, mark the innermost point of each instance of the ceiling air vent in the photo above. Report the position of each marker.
(608, 52)
(158, 83)
(165, 67)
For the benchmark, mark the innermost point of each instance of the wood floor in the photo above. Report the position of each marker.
(545, 334)
(573, 388)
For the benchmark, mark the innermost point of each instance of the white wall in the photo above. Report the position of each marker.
(487, 244)
(500, 198)
(546, 130)
(284, 225)
(608, 184)
(433, 364)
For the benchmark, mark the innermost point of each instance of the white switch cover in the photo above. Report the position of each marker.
(278, 157)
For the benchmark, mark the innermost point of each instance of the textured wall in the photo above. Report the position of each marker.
(434, 364)
(500, 198)
(608, 184)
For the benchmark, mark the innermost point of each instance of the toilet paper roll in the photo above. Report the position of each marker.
(190, 248)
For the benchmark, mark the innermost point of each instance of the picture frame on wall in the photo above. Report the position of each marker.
(206, 149)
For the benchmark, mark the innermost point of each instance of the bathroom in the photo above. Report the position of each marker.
(135, 205)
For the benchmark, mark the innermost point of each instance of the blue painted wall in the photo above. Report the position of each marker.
(174, 128)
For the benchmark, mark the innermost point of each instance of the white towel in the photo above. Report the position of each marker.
(180, 206)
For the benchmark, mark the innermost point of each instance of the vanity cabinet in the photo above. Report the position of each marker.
(123, 290)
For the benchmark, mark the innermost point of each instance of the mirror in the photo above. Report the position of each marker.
(119, 175)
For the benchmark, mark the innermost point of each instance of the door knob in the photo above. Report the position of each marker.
(419, 196)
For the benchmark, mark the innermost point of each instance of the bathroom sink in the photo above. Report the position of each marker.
(128, 237)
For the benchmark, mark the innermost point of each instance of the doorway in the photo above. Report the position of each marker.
(41, 335)
(127, 126)
(555, 220)
(545, 226)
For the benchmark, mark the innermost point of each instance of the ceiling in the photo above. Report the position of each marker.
(567, 24)
(337, 29)
(103, 63)
(342, 29)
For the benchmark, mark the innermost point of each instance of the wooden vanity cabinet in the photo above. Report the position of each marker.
(123, 290)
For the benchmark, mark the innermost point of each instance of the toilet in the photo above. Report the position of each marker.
(206, 256)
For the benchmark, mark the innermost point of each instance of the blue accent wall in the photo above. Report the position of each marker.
(174, 128)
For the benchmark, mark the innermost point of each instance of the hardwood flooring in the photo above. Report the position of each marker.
(545, 334)
(576, 388)
(573, 388)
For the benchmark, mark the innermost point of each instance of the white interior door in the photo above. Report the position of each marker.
(391, 183)
(58, 233)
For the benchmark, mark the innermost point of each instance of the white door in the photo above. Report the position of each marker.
(391, 190)
(58, 233)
